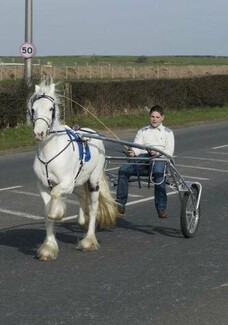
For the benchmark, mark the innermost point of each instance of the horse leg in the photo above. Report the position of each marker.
(90, 243)
(83, 218)
(57, 209)
(49, 249)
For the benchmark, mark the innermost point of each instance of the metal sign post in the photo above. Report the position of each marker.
(27, 49)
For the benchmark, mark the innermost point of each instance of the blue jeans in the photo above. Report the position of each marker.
(127, 170)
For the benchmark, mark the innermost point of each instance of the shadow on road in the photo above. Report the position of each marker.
(27, 240)
(149, 229)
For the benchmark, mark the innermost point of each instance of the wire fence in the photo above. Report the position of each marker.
(82, 72)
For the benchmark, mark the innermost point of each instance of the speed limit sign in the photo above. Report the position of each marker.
(27, 50)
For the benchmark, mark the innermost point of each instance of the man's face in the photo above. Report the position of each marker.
(156, 119)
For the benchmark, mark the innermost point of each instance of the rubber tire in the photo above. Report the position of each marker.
(185, 214)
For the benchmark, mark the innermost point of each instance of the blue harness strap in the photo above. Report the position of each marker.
(83, 147)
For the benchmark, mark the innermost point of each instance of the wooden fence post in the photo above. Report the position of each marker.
(67, 103)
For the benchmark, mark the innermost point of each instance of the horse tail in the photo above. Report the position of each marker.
(107, 208)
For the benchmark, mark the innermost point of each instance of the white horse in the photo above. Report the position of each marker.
(64, 164)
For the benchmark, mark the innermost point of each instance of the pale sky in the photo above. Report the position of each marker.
(117, 27)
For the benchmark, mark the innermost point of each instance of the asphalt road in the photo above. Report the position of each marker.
(145, 273)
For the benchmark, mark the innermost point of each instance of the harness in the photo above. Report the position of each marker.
(83, 147)
(83, 150)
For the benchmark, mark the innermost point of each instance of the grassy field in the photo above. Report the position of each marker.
(22, 137)
(121, 60)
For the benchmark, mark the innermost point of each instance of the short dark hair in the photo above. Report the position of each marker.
(157, 108)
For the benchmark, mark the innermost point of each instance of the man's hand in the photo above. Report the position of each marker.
(130, 152)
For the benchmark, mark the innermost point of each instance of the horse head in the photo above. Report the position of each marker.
(42, 109)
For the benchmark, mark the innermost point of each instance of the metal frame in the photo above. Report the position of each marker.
(178, 182)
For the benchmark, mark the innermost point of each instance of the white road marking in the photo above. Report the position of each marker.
(134, 195)
(10, 188)
(31, 216)
(224, 285)
(196, 177)
(217, 152)
(114, 168)
(38, 195)
(204, 168)
(69, 218)
(147, 199)
(74, 202)
(21, 214)
(200, 158)
(225, 145)
(130, 195)
(35, 217)
(26, 193)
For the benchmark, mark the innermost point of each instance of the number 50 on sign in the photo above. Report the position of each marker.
(27, 50)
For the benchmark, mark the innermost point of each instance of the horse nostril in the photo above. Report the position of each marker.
(39, 135)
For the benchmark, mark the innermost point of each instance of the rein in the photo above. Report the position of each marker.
(88, 111)
(75, 128)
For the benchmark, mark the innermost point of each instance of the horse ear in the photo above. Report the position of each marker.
(37, 88)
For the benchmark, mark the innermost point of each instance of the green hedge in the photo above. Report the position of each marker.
(114, 97)
(121, 97)
(13, 104)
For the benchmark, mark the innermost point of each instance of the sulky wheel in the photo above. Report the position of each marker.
(189, 216)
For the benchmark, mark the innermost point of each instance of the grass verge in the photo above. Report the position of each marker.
(22, 137)
(172, 118)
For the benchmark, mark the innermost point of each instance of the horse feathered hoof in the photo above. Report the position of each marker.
(44, 258)
(88, 244)
(47, 252)
(87, 249)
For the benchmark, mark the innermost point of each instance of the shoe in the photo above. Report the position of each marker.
(162, 213)
(121, 211)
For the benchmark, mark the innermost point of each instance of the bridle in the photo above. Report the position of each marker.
(44, 118)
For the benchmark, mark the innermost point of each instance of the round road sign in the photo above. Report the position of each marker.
(27, 50)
